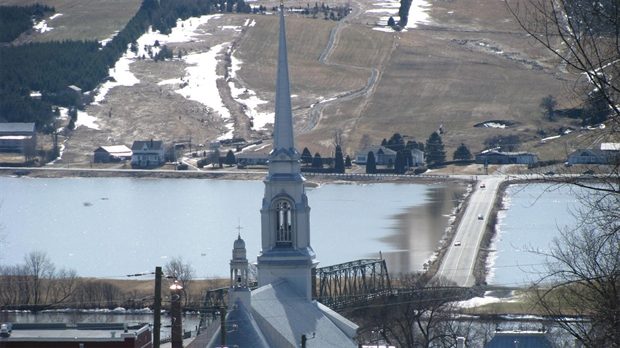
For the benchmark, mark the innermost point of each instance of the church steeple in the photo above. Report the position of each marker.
(239, 274)
(286, 252)
(283, 139)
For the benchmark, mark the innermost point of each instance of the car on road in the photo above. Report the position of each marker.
(483, 186)
(480, 217)
(588, 172)
(457, 243)
(551, 172)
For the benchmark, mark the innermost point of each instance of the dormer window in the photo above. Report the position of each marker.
(283, 224)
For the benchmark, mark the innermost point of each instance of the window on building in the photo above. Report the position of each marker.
(283, 223)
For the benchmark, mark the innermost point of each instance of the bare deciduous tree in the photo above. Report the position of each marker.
(38, 268)
(583, 274)
(421, 313)
(365, 142)
(583, 268)
(181, 271)
(584, 35)
(338, 138)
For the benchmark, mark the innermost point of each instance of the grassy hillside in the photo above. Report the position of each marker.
(470, 64)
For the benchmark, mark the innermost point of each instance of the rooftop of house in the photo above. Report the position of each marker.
(81, 331)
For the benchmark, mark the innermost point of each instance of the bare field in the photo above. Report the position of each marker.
(469, 65)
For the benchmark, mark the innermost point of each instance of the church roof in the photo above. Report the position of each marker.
(247, 333)
(284, 315)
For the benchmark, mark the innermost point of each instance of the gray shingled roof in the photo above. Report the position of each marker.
(247, 334)
(16, 127)
(150, 144)
(284, 316)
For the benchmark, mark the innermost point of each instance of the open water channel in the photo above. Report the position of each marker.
(111, 227)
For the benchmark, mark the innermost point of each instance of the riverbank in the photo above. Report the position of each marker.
(223, 174)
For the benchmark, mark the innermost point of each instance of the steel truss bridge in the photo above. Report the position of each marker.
(353, 282)
(337, 287)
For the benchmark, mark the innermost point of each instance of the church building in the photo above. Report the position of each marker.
(281, 310)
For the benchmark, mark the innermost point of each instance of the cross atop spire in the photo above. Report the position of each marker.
(239, 229)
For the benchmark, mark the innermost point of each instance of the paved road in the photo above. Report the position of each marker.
(458, 262)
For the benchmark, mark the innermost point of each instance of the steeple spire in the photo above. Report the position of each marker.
(286, 253)
(283, 138)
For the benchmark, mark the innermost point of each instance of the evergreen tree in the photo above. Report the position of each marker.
(396, 142)
(384, 142)
(391, 21)
(462, 153)
(399, 163)
(403, 12)
(240, 6)
(339, 165)
(371, 164)
(435, 153)
(317, 161)
(230, 158)
(347, 162)
(306, 156)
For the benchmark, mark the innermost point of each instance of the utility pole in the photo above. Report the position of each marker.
(175, 311)
(157, 308)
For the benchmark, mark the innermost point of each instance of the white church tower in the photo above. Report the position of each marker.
(285, 215)
(239, 267)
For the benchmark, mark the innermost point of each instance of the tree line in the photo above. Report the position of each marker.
(14, 20)
(36, 284)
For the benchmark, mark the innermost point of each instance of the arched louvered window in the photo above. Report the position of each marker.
(283, 224)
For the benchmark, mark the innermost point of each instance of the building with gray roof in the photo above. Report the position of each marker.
(520, 339)
(96, 335)
(17, 136)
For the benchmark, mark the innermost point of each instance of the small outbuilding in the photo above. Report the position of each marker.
(17, 137)
(113, 153)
